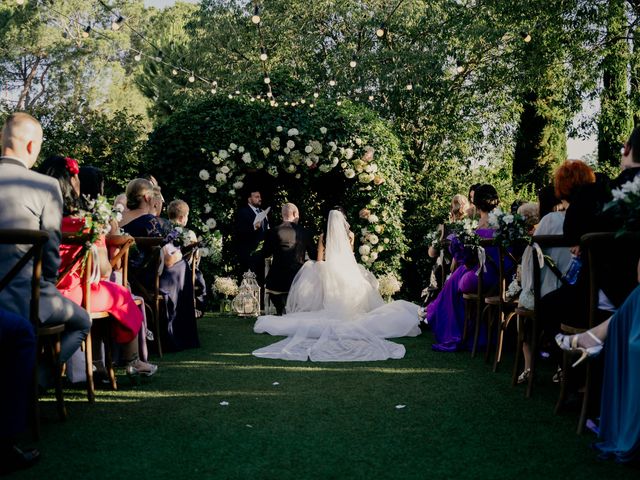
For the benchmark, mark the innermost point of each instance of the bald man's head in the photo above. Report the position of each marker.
(22, 137)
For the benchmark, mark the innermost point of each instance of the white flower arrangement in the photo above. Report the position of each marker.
(224, 169)
(364, 249)
(388, 285)
(290, 145)
(233, 146)
(213, 188)
(625, 205)
(211, 223)
(279, 128)
(323, 130)
(293, 132)
(207, 208)
(246, 158)
(220, 178)
(349, 173)
(226, 286)
(373, 219)
(204, 175)
(238, 185)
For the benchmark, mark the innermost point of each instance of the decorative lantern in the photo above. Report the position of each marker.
(247, 302)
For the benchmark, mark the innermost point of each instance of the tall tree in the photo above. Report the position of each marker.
(615, 120)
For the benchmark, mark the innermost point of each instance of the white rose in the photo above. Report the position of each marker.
(373, 219)
(349, 173)
(212, 188)
(240, 149)
(291, 168)
(246, 158)
(225, 169)
(223, 154)
(204, 175)
(364, 249)
(290, 144)
(292, 132)
(308, 162)
(265, 151)
(216, 160)
(348, 154)
(343, 164)
(220, 178)
(365, 258)
(286, 150)
(297, 175)
(334, 161)
(211, 223)
(308, 149)
(373, 239)
(373, 256)
(386, 240)
(371, 168)
(279, 128)
(238, 185)
(207, 208)
(323, 130)
(233, 146)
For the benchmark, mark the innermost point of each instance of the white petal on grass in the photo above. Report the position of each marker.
(275, 384)
(224, 403)
(400, 406)
(248, 426)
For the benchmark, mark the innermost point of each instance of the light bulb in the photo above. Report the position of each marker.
(526, 37)
(316, 94)
(255, 19)
(138, 57)
(409, 86)
(332, 83)
(237, 92)
(312, 105)
(371, 98)
(286, 104)
(267, 80)
(252, 99)
(380, 32)
(263, 57)
(353, 64)
(192, 78)
(174, 72)
(303, 101)
(338, 103)
(230, 96)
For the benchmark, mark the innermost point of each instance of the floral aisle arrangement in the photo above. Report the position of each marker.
(228, 287)
(98, 216)
(388, 285)
(626, 205)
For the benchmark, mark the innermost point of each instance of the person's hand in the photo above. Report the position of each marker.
(256, 226)
(575, 250)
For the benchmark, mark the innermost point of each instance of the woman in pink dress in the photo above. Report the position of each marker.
(106, 296)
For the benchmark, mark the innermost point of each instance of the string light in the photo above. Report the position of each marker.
(267, 80)
(316, 94)
(117, 23)
(460, 67)
(86, 31)
(237, 92)
(409, 87)
(255, 18)
(380, 31)
(303, 101)
(353, 63)
(213, 92)
(371, 98)
(138, 57)
(526, 37)
(332, 83)
(263, 54)
(192, 78)
(174, 72)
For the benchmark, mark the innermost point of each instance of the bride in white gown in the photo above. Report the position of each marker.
(334, 310)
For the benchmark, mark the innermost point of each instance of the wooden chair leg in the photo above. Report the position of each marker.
(476, 334)
(488, 310)
(563, 383)
(534, 354)
(501, 326)
(108, 351)
(57, 372)
(88, 355)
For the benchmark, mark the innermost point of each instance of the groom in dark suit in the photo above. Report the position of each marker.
(249, 235)
(288, 243)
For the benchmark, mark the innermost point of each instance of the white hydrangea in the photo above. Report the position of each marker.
(204, 175)
(316, 146)
(349, 173)
(207, 208)
(223, 154)
(292, 132)
(240, 149)
(388, 285)
(246, 158)
(233, 146)
(238, 185)
(279, 128)
(323, 130)
(290, 144)
(224, 169)
(211, 223)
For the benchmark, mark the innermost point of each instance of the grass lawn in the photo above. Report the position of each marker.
(333, 420)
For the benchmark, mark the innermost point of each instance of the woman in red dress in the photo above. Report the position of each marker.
(106, 296)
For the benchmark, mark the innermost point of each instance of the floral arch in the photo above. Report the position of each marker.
(213, 152)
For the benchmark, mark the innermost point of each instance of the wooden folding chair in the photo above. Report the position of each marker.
(48, 336)
(150, 293)
(530, 319)
(600, 249)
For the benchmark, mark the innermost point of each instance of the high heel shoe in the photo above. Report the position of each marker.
(524, 376)
(569, 343)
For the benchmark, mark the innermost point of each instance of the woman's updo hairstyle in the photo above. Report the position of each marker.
(63, 169)
(486, 198)
(136, 191)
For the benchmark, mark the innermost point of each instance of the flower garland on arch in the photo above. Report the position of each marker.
(288, 151)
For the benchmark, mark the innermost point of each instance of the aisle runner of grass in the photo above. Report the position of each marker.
(217, 412)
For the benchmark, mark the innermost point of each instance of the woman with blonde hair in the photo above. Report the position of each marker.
(459, 208)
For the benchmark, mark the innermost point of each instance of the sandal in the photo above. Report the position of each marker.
(524, 376)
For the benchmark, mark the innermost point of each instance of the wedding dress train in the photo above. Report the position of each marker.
(334, 310)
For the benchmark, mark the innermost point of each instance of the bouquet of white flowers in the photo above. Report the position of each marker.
(626, 205)
(388, 285)
(511, 228)
(98, 216)
(227, 286)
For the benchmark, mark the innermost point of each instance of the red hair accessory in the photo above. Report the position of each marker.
(72, 165)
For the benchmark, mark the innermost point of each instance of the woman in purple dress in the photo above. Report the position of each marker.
(445, 314)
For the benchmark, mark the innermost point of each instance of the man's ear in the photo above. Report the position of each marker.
(30, 147)
(627, 149)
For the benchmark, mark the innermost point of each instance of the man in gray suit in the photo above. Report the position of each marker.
(33, 201)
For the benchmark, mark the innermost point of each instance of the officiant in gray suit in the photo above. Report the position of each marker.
(287, 243)
(33, 201)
